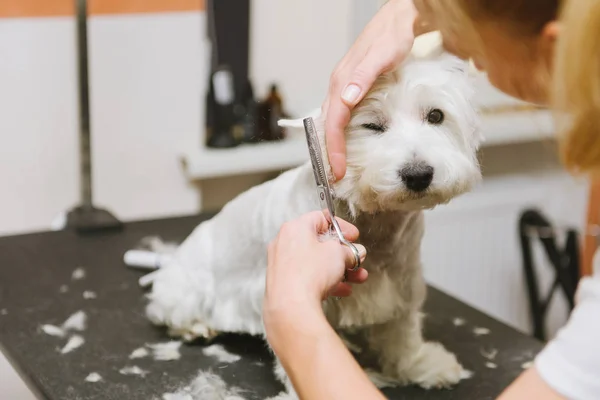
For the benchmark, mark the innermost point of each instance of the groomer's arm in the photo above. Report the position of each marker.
(383, 44)
(302, 270)
(316, 360)
(530, 385)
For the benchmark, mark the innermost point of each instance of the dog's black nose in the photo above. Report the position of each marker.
(417, 177)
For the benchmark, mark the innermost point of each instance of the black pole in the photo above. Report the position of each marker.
(86, 217)
(84, 106)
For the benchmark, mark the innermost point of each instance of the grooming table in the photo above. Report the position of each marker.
(34, 267)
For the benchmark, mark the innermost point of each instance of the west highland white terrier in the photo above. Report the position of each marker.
(411, 145)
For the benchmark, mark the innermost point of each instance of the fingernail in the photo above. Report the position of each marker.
(350, 94)
(362, 251)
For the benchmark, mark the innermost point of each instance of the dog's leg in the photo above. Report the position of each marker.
(176, 302)
(405, 357)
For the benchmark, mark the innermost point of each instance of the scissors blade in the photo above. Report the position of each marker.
(316, 158)
(314, 149)
(323, 190)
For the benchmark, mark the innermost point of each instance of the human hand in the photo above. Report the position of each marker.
(304, 267)
(384, 43)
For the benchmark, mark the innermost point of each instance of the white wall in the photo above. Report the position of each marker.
(147, 80)
(471, 248)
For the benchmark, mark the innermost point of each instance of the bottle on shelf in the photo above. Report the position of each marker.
(270, 111)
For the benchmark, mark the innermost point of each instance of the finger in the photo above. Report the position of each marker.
(377, 61)
(341, 290)
(349, 259)
(338, 117)
(308, 225)
(349, 231)
(358, 276)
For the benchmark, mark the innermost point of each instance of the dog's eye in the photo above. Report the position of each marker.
(380, 128)
(435, 116)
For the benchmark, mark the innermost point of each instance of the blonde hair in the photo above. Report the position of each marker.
(575, 86)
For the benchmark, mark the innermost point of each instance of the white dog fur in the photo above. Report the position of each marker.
(397, 141)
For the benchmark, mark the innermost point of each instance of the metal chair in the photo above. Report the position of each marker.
(563, 260)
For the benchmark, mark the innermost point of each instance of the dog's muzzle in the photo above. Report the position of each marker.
(417, 177)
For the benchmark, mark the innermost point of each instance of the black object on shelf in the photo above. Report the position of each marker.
(564, 261)
(229, 34)
(228, 31)
(220, 105)
(249, 115)
(86, 217)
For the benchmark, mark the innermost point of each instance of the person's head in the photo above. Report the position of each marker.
(541, 51)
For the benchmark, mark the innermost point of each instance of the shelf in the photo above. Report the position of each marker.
(207, 163)
(210, 163)
(517, 127)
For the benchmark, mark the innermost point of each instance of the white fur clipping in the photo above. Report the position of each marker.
(53, 330)
(74, 343)
(491, 365)
(139, 353)
(76, 322)
(458, 322)
(93, 377)
(481, 331)
(78, 274)
(527, 365)
(206, 386)
(135, 370)
(89, 295)
(217, 351)
(166, 351)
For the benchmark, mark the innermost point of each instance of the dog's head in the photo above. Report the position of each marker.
(411, 143)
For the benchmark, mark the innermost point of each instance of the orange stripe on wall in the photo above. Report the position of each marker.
(143, 6)
(56, 8)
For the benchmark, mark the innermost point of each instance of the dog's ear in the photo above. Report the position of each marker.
(430, 47)
(427, 46)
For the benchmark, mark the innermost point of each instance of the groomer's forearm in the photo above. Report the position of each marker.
(318, 363)
(530, 385)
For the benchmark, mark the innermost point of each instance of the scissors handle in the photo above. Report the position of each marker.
(345, 242)
(328, 208)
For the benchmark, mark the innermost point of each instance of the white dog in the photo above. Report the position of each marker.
(411, 145)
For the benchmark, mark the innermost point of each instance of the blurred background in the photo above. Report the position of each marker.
(155, 153)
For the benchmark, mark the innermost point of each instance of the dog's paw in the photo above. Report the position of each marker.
(196, 330)
(176, 301)
(434, 367)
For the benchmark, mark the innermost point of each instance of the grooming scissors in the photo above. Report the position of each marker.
(323, 189)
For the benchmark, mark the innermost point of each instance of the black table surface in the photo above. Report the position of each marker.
(33, 268)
